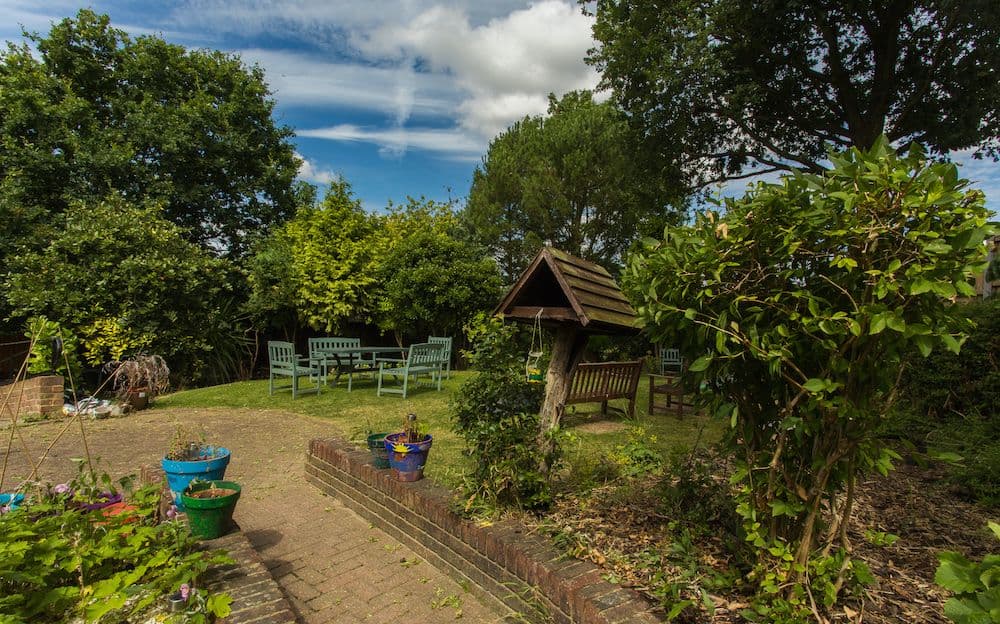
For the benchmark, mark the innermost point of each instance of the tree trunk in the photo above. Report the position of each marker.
(566, 354)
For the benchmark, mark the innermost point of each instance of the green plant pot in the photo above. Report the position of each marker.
(380, 455)
(210, 518)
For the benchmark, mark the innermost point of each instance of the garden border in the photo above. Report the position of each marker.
(501, 563)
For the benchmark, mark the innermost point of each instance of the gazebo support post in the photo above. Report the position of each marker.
(567, 351)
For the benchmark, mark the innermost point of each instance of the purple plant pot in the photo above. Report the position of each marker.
(106, 499)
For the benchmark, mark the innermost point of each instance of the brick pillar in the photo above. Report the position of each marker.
(37, 395)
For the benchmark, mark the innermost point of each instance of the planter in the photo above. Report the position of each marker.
(11, 501)
(181, 472)
(137, 399)
(380, 455)
(407, 459)
(209, 506)
(104, 499)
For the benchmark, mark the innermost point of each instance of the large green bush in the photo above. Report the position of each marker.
(795, 305)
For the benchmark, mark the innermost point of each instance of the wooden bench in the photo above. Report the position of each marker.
(600, 382)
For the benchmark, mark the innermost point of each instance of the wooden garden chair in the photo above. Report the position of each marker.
(423, 358)
(284, 362)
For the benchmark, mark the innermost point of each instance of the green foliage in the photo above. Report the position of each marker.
(711, 87)
(949, 408)
(976, 586)
(60, 564)
(121, 266)
(496, 412)
(42, 332)
(638, 456)
(431, 283)
(794, 309)
(567, 179)
(89, 110)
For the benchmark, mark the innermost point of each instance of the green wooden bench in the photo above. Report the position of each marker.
(445, 342)
(317, 346)
(421, 359)
(284, 362)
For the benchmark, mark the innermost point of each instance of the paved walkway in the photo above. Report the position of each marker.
(332, 565)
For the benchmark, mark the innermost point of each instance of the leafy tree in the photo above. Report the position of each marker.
(433, 283)
(124, 280)
(319, 264)
(714, 86)
(95, 110)
(796, 304)
(567, 179)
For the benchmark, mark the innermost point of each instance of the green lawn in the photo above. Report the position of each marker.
(352, 414)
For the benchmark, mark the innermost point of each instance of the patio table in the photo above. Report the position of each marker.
(349, 357)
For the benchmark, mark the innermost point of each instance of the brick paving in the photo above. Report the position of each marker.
(332, 565)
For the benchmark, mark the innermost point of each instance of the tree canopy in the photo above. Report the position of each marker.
(567, 179)
(95, 111)
(712, 87)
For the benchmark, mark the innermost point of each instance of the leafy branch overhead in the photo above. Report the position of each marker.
(795, 305)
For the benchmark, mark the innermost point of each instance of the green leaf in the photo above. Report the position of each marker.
(951, 343)
(895, 323)
(956, 573)
(877, 324)
(993, 526)
(920, 285)
(701, 363)
(815, 385)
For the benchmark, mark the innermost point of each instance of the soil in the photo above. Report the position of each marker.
(212, 493)
(617, 528)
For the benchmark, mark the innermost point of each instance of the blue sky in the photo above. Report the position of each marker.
(398, 97)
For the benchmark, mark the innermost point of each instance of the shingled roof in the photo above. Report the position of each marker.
(567, 289)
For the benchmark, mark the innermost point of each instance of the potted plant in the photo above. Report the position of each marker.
(190, 458)
(140, 379)
(380, 455)
(210, 506)
(408, 451)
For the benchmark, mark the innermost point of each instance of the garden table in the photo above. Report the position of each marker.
(349, 358)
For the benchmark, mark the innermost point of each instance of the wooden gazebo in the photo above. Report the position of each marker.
(577, 298)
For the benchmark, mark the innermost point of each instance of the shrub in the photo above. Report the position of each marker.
(496, 412)
(976, 586)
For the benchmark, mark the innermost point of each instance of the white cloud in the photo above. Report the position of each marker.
(507, 67)
(395, 141)
(312, 172)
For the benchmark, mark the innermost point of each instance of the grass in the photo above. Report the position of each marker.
(352, 415)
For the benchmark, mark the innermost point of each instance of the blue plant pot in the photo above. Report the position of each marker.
(11, 500)
(407, 459)
(182, 472)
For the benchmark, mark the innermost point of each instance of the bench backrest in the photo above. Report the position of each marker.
(331, 342)
(671, 362)
(602, 381)
(424, 354)
(445, 342)
(280, 355)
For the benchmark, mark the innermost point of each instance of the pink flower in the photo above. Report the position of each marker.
(172, 512)
(4, 509)
(62, 488)
(185, 591)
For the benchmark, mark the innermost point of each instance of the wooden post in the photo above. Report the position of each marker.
(567, 351)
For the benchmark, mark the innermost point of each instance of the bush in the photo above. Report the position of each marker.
(976, 586)
(496, 412)
(949, 405)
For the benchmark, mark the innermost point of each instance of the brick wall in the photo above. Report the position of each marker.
(37, 395)
(502, 562)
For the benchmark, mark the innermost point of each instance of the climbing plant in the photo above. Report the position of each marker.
(794, 305)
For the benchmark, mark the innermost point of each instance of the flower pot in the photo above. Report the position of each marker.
(407, 459)
(104, 499)
(181, 472)
(11, 501)
(209, 506)
(137, 399)
(380, 455)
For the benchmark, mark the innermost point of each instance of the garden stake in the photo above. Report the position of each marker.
(72, 386)
(13, 414)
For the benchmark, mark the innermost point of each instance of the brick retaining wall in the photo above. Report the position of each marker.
(504, 563)
(256, 596)
(37, 395)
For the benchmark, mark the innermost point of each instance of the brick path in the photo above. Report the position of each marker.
(332, 565)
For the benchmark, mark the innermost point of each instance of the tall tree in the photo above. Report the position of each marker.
(566, 178)
(721, 89)
(95, 111)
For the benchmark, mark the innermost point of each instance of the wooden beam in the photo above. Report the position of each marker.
(548, 314)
